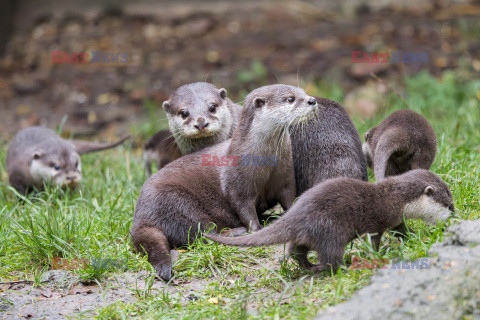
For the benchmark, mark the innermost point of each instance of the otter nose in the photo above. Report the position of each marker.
(312, 101)
(201, 124)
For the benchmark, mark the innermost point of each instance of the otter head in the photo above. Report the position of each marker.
(433, 201)
(278, 106)
(60, 167)
(198, 110)
(367, 147)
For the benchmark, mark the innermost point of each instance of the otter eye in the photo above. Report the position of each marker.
(53, 165)
(451, 207)
(291, 99)
(213, 108)
(184, 114)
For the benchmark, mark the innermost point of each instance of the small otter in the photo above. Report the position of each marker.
(187, 196)
(37, 155)
(331, 214)
(404, 141)
(160, 149)
(200, 115)
(327, 146)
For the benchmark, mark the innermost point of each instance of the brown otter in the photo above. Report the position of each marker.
(404, 141)
(331, 214)
(186, 197)
(37, 155)
(200, 115)
(160, 149)
(327, 146)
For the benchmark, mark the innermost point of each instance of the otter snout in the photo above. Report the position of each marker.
(201, 124)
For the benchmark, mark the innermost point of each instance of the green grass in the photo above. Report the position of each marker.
(93, 222)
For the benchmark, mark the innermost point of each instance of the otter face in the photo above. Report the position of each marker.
(64, 171)
(198, 110)
(366, 147)
(433, 206)
(281, 105)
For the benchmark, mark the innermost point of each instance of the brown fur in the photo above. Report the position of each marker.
(201, 128)
(35, 146)
(160, 149)
(404, 141)
(333, 213)
(186, 197)
(327, 146)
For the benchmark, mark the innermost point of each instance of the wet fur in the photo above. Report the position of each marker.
(331, 214)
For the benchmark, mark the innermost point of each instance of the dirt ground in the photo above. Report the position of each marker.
(61, 294)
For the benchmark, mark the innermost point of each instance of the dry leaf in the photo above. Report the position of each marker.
(213, 300)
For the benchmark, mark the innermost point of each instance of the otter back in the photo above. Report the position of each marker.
(404, 141)
(327, 146)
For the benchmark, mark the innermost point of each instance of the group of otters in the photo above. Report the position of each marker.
(319, 160)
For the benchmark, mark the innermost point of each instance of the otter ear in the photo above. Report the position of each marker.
(428, 190)
(166, 106)
(367, 135)
(259, 102)
(223, 93)
(37, 155)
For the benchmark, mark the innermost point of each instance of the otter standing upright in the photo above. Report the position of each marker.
(187, 196)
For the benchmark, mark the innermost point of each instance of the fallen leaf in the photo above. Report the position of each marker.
(213, 300)
(46, 293)
(431, 298)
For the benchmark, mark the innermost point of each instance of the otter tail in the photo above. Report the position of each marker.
(385, 149)
(83, 147)
(153, 242)
(278, 232)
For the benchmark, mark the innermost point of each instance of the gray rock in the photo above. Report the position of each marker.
(448, 289)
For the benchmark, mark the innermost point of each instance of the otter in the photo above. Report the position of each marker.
(331, 214)
(38, 155)
(160, 149)
(403, 141)
(327, 146)
(200, 115)
(190, 194)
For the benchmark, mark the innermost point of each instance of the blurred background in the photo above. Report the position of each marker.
(239, 45)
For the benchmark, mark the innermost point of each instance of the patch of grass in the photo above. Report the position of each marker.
(228, 283)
